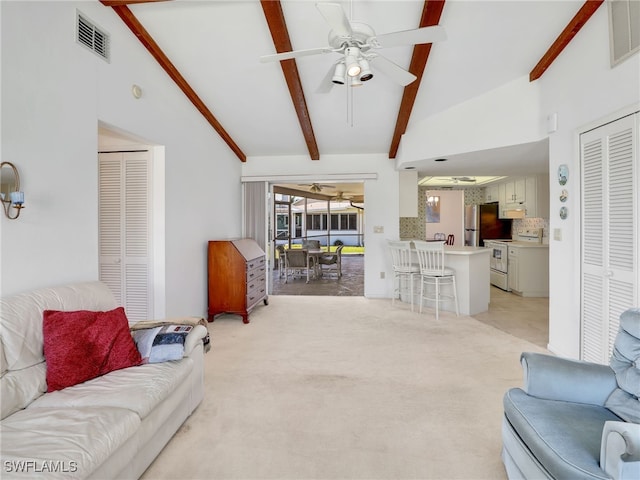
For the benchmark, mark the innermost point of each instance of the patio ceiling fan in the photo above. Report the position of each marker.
(356, 42)
(315, 187)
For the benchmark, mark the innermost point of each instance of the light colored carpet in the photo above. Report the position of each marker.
(347, 388)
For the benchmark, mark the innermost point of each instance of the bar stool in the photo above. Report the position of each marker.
(433, 272)
(403, 268)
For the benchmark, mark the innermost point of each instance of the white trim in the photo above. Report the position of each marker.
(612, 117)
(339, 177)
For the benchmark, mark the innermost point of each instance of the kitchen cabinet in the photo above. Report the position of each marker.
(492, 193)
(528, 268)
(527, 194)
(515, 191)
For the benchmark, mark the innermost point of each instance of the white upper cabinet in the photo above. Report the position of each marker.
(492, 193)
(515, 191)
(529, 195)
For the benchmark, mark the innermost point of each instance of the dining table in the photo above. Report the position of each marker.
(313, 257)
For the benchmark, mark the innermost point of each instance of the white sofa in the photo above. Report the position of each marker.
(112, 426)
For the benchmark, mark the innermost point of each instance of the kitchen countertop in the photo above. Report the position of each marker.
(528, 244)
(460, 250)
(520, 244)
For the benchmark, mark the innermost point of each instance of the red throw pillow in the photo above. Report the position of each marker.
(82, 345)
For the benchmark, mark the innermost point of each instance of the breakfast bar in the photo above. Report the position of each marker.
(472, 268)
(472, 278)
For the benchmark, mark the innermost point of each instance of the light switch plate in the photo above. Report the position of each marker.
(557, 234)
(378, 229)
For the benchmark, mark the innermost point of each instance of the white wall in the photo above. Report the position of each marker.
(581, 88)
(508, 115)
(54, 93)
(381, 206)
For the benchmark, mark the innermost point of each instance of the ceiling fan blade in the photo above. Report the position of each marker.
(391, 70)
(412, 37)
(276, 57)
(336, 18)
(327, 84)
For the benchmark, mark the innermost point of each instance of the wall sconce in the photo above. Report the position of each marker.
(10, 193)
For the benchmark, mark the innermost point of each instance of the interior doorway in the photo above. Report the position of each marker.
(131, 222)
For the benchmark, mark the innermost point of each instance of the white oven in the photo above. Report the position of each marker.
(499, 263)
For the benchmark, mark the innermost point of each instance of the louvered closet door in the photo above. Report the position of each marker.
(610, 201)
(124, 230)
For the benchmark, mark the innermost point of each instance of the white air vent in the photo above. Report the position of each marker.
(92, 36)
(624, 29)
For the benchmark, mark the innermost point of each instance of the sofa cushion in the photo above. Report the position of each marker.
(625, 362)
(62, 443)
(21, 335)
(139, 389)
(19, 388)
(563, 436)
(83, 344)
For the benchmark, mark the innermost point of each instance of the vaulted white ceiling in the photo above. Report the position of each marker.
(216, 46)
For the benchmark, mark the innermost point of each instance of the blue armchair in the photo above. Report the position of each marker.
(575, 419)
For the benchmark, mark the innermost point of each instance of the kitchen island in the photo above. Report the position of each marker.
(471, 265)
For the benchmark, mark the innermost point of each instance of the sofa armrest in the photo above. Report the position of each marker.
(620, 450)
(195, 336)
(555, 378)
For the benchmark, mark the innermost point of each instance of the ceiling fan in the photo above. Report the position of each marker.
(315, 187)
(458, 179)
(355, 42)
(340, 196)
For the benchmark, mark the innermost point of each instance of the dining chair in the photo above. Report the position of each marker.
(314, 244)
(450, 239)
(403, 268)
(332, 258)
(281, 254)
(434, 273)
(295, 262)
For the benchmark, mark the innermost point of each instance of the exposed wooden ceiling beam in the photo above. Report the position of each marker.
(278, 27)
(570, 31)
(150, 44)
(115, 3)
(431, 14)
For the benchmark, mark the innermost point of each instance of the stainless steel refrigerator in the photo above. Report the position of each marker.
(481, 222)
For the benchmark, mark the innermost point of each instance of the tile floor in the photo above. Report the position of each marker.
(525, 318)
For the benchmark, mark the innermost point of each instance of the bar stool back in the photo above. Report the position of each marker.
(434, 273)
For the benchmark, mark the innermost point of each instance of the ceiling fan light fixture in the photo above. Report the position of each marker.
(338, 74)
(351, 61)
(365, 71)
(354, 82)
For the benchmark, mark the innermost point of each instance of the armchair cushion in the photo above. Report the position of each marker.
(563, 436)
(625, 362)
(555, 378)
(620, 449)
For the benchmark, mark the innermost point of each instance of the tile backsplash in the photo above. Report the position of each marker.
(521, 223)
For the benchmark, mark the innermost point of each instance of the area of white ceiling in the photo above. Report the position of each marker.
(216, 45)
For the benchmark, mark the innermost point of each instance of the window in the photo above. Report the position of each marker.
(317, 221)
(344, 221)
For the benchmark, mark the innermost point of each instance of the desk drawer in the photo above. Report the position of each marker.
(255, 263)
(256, 282)
(256, 273)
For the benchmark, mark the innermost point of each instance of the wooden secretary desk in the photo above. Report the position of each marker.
(237, 274)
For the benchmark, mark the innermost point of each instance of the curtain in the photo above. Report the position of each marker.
(255, 212)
